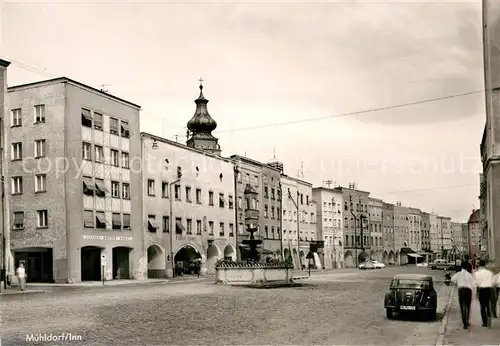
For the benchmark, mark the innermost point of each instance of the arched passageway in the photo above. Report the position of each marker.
(229, 253)
(121, 263)
(287, 256)
(390, 258)
(363, 256)
(296, 261)
(91, 263)
(348, 259)
(373, 255)
(385, 257)
(396, 258)
(304, 260)
(213, 254)
(38, 263)
(156, 262)
(187, 260)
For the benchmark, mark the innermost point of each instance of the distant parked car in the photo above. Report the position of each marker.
(423, 264)
(411, 293)
(441, 264)
(378, 265)
(367, 265)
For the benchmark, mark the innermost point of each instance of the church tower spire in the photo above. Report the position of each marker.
(201, 125)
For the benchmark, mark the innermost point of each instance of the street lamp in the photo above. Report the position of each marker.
(179, 175)
(355, 231)
(296, 203)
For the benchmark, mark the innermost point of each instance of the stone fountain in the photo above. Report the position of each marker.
(252, 272)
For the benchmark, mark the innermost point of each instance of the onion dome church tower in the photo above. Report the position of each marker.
(200, 127)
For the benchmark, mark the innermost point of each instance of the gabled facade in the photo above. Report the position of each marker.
(415, 229)
(375, 208)
(329, 225)
(389, 254)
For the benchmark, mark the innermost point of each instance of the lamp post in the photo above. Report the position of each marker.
(280, 237)
(179, 175)
(355, 231)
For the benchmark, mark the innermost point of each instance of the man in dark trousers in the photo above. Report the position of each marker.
(465, 283)
(484, 282)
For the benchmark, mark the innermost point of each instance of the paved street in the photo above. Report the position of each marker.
(344, 307)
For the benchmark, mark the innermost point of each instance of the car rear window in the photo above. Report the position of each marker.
(407, 283)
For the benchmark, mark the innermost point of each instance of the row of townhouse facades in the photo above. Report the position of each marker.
(88, 196)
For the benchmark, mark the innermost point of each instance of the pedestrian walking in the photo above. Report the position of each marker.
(484, 282)
(466, 284)
(495, 295)
(21, 276)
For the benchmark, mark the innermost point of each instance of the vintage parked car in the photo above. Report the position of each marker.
(378, 265)
(440, 264)
(411, 293)
(366, 265)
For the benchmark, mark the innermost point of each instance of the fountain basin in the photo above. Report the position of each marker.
(265, 275)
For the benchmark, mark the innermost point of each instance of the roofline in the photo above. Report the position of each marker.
(342, 188)
(4, 63)
(331, 189)
(254, 162)
(183, 146)
(70, 81)
(297, 180)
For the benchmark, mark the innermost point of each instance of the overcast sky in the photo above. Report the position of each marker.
(272, 63)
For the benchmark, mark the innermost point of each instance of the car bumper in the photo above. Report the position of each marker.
(417, 309)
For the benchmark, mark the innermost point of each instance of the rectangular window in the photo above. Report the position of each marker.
(164, 190)
(116, 220)
(88, 186)
(210, 198)
(115, 189)
(221, 229)
(86, 151)
(151, 187)
(266, 230)
(113, 126)
(179, 228)
(100, 219)
(231, 202)
(41, 220)
(231, 230)
(189, 224)
(272, 193)
(211, 227)
(40, 148)
(240, 203)
(86, 118)
(40, 183)
(198, 226)
(125, 191)
(198, 196)
(99, 153)
(18, 220)
(266, 215)
(125, 160)
(115, 160)
(17, 117)
(125, 130)
(39, 114)
(272, 212)
(97, 121)
(16, 151)
(17, 185)
(221, 200)
(266, 192)
(177, 192)
(188, 194)
(166, 224)
(126, 221)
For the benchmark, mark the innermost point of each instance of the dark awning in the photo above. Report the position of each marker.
(86, 114)
(117, 220)
(406, 250)
(179, 226)
(126, 221)
(100, 185)
(101, 218)
(152, 223)
(89, 184)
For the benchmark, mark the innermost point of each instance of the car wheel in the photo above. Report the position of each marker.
(389, 313)
(433, 267)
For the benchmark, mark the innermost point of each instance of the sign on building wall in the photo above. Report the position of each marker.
(105, 237)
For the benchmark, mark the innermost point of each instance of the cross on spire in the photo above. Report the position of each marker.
(201, 81)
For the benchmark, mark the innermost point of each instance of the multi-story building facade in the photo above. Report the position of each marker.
(426, 237)
(265, 181)
(376, 233)
(457, 240)
(75, 198)
(4, 233)
(388, 256)
(189, 207)
(490, 148)
(415, 230)
(329, 223)
(447, 243)
(476, 246)
(299, 222)
(466, 239)
(356, 225)
(435, 235)
(401, 233)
